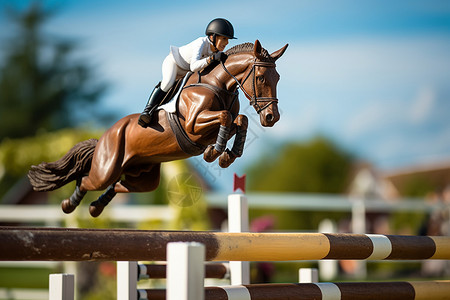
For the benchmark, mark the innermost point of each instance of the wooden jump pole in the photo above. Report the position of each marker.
(71, 244)
(155, 271)
(419, 290)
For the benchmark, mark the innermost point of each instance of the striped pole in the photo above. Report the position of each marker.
(154, 271)
(421, 290)
(71, 244)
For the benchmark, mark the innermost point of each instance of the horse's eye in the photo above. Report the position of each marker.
(261, 79)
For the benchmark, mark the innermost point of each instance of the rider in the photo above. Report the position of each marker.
(193, 57)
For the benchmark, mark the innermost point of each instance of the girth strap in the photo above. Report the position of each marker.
(186, 144)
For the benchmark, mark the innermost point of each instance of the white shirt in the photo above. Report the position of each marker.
(194, 55)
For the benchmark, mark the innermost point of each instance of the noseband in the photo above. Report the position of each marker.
(254, 100)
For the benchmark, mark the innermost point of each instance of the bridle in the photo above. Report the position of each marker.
(254, 100)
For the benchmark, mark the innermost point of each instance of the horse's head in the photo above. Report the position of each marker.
(260, 84)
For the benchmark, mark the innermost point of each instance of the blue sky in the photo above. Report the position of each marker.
(374, 76)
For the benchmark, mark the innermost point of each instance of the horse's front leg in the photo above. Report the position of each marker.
(225, 121)
(228, 157)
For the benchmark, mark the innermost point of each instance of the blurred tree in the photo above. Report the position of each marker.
(17, 155)
(41, 83)
(318, 166)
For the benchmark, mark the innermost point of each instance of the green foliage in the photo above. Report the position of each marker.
(30, 278)
(41, 81)
(17, 155)
(407, 222)
(185, 195)
(106, 288)
(318, 166)
(287, 220)
(418, 186)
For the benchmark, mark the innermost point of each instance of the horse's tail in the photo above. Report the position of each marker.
(53, 175)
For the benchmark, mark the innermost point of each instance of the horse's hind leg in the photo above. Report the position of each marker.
(96, 207)
(144, 182)
(105, 168)
(108, 180)
(108, 177)
(69, 205)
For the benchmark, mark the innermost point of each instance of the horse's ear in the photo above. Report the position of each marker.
(277, 54)
(257, 50)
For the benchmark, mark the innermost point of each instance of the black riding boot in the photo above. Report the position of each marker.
(153, 101)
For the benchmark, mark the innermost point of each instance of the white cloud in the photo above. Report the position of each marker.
(406, 149)
(423, 105)
(390, 114)
(372, 117)
(370, 61)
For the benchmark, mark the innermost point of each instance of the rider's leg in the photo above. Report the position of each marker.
(169, 74)
(153, 101)
(170, 71)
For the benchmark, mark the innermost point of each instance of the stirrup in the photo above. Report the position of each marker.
(145, 119)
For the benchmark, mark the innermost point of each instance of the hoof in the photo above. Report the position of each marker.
(226, 159)
(210, 154)
(95, 209)
(67, 207)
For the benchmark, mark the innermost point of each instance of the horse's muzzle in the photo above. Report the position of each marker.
(269, 119)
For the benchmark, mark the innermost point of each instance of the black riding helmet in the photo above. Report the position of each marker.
(221, 27)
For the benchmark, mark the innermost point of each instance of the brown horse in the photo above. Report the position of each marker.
(127, 158)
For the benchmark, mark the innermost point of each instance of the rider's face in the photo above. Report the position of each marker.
(221, 42)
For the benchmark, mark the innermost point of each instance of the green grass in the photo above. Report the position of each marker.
(35, 278)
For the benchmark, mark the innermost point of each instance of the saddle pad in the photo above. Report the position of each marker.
(171, 105)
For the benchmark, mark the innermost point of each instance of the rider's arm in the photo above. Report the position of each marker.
(200, 54)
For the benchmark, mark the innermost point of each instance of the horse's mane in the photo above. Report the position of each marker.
(241, 48)
(248, 47)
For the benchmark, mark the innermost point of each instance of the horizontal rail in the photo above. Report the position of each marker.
(53, 213)
(419, 290)
(323, 202)
(73, 244)
(154, 271)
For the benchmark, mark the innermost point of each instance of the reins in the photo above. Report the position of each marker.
(254, 100)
